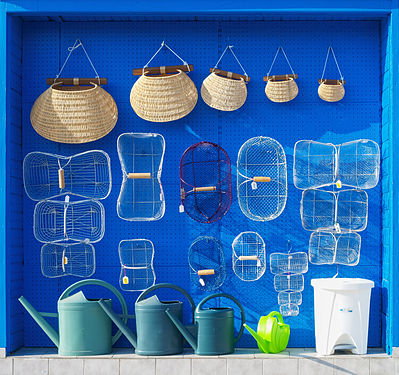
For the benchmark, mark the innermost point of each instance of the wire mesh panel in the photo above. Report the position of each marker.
(330, 248)
(249, 256)
(291, 262)
(314, 164)
(137, 270)
(141, 156)
(286, 283)
(285, 298)
(207, 264)
(327, 210)
(205, 182)
(262, 179)
(355, 164)
(56, 221)
(48, 175)
(63, 259)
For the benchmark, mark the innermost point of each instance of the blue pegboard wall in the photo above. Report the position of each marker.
(118, 47)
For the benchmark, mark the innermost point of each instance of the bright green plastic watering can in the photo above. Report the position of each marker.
(156, 334)
(84, 328)
(213, 332)
(273, 334)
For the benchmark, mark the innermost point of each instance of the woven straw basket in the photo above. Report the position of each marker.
(225, 94)
(74, 114)
(163, 98)
(331, 92)
(281, 91)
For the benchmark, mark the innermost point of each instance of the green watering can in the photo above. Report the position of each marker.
(84, 328)
(273, 334)
(156, 334)
(213, 331)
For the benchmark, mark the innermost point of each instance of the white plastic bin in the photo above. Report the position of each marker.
(341, 308)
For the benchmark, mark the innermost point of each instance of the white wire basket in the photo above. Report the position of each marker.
(87, 174)
(207, 263)
(137, 269)
(141, 156)
(289, 309)
(334, 211)
(288, 263)
(354, 164)
(330, 248)
(261, 179)
(68, 259)
(249, 256)
(285, 298)
(56, 221)
(286, 283)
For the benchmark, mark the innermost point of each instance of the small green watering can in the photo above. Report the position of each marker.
(156, 334)
(273, 334)
(213, 331)
(84, 328)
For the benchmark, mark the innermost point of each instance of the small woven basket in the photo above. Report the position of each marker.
(74, 114)
(281, 91)
(223, 93)
(163, 98)
(331, 92)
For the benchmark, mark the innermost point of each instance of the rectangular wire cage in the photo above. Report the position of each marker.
(141, 197)
(288, 263)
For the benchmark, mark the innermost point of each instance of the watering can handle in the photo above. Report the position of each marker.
(168, 286)
(206, 299)
(104, 284)
(277, 315)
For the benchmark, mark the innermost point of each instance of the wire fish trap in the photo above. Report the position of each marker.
(141, 197)
(354, 164)
(205, 182)
(289, 283)
(56, 221)
(289, 298)
(289, 309)
(68, 259)
(262, 179)
(288, 263)
(334, 211)
(137, 269)
(249, 256)
(87, 174)
(207, 264)
(330, 248)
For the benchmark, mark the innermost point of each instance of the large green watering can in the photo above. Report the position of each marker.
(213, 332)
(156, 334)
(273, 334)
(84, 328)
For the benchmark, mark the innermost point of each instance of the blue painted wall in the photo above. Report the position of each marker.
(116, 48)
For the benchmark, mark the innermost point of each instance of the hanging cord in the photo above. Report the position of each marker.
(289, 246)
(76, 45)
(337, 272)
(231, 50)
(275, 56)
(163, 44)
(336, 63)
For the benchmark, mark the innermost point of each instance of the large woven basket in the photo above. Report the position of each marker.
(163, 98)
(281, 91)
(331, 92)
(223, 93)
(74, 114)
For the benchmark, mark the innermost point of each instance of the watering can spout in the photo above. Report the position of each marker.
(261, 341)
(43, 324)
(118, 322)
(183, 330)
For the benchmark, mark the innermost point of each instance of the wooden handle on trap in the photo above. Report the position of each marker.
(248, 257)
(163, 69)
(61, 179)
(205, 188)
(262, 179)
(139, 175)
(77, 81)
(332, 81)
(227, 74)
(280, 77)
(206, 272)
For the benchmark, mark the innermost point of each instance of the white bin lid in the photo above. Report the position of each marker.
(342, 284)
